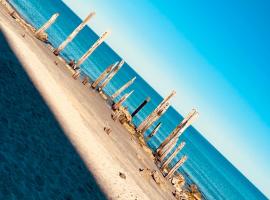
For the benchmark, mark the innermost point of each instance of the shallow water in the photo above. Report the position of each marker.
(214, 175)
(37, 161)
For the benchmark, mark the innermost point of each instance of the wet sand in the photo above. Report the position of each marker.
(82, 114)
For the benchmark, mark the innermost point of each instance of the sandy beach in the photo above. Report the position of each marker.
(83, 113)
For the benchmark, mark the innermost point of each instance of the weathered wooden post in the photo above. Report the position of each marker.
(155, 117)
(154, 131)
(167, 148)
(73, 34)
(92, 48)
(76, 74)
(85, 80)
(119, 91)
(40, 33)
(176, 167)
(171, 157)
(103, 75)
(72, 63)
(142, 125)
(111, 75)
(115, 115)
(121, 101)
(141, 106)
(179, 129)
(151, 118)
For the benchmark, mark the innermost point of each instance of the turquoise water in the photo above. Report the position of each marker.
(215, 176)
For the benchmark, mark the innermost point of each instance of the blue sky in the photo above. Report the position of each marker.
(214, 53)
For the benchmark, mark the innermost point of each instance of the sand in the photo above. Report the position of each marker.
(82, 114)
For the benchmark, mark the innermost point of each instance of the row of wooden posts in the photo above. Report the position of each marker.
(170, 147)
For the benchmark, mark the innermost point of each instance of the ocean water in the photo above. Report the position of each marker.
(216, 177)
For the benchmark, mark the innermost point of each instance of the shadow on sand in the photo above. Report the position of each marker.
(37, 161)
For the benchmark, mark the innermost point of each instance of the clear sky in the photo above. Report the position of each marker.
(214, 53)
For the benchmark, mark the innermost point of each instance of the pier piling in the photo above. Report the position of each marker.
(73, 34)
(160, 106)
(41, 32)
(115, 115)
(103, 75)
(172, 156)
(155, 117)
(121, 101)
(176, 167)
(141, 106)
(92, 48)
(166, 150)
(111, 75)
(179, 129)
(76, 74)
(154, 131)
(85, 80)
(125, 86)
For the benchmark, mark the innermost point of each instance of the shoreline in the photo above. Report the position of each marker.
(70, 105)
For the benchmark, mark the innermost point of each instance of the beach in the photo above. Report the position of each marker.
(63, 139)
(82, 114)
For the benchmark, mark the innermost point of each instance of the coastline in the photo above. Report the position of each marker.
(82, 113)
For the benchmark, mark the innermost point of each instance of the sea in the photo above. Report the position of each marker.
(215, 176)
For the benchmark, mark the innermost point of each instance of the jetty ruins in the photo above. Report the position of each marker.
(168, 150)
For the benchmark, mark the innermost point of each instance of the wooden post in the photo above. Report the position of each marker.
(140, 127)
(180, 128)
(176, 167)
(92, 48)
(119, 91)
(154, 131)
(141, 106)
(76, 74)
(85, 80)
(117, 105)
(171, 157)
(103, 75)
(111, 75)
(73, 34)
(155, 117)
(166, 100)
(167, 148)
(115, 115)
(46, 25)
